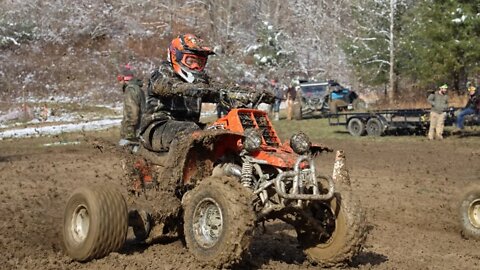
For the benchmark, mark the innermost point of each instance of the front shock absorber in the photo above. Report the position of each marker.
(247, 174)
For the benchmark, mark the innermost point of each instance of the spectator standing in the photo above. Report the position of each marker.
(279, 96)
(472, 107)
(291, 95)
(439, 102)
(133, 104)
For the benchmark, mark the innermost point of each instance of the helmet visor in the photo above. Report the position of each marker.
(194, 61)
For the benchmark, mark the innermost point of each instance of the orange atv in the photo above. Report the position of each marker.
(215, 189)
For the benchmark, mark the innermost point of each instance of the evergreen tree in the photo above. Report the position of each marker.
(270, 50)
(441, 43)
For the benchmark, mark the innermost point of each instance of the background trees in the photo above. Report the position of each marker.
(67, 46)
(441, 42)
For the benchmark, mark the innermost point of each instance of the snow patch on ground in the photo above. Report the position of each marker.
(59, 129)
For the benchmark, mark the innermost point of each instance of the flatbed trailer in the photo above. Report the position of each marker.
(377, 122)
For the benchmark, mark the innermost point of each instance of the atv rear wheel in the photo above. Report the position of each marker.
(219, 220)
(470, 213)
(342, 222)
(95, 223)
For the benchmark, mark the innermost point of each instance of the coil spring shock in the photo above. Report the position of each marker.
(247, 174)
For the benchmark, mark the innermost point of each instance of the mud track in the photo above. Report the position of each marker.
(410, 188)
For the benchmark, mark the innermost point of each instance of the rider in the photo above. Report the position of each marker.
(174, 99)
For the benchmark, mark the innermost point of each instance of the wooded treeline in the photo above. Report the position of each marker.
(399, 45)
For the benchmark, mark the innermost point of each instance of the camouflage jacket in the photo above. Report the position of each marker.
(169, 97)
(133, 107)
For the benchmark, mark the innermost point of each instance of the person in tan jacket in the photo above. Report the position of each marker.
(439, 102)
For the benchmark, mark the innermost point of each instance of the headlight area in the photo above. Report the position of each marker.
(300, 143)
(252, 140)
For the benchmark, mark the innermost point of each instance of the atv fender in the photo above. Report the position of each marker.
(195, 157)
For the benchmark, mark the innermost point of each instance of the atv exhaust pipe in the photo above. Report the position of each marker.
(298, 189)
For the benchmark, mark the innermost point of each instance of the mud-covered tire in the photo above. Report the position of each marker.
(218, 221)
(470, 213)
(142, 224)
(95, 223)
(347, 231)
(356, 127)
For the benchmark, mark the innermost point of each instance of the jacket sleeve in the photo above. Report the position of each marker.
(160, 85)
(431, 99)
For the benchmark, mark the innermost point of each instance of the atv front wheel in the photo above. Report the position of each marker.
(470, 213)
(333, 232)
(95, 223)
(219, 220)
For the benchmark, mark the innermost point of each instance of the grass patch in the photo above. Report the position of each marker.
(319, 130)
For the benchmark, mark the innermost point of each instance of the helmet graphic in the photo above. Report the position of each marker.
(188, 56)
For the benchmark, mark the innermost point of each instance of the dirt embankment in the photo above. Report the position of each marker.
(409, 187)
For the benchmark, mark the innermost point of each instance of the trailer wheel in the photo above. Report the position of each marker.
(374, 127)
(356, 127)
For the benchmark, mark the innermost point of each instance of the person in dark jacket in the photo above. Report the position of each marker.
(439, 102)
(173, 102)
(133, 104)
(472, 107)
(279, 96)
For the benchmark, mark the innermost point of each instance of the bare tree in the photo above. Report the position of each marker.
(392, 75)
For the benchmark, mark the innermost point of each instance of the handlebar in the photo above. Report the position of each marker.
(231, 97)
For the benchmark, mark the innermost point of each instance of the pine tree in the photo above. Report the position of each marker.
(270, 51)
(441, 42)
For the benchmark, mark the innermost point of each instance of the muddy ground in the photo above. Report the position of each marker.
(409, 187)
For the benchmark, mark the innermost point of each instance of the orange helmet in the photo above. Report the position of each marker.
(188, 56)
